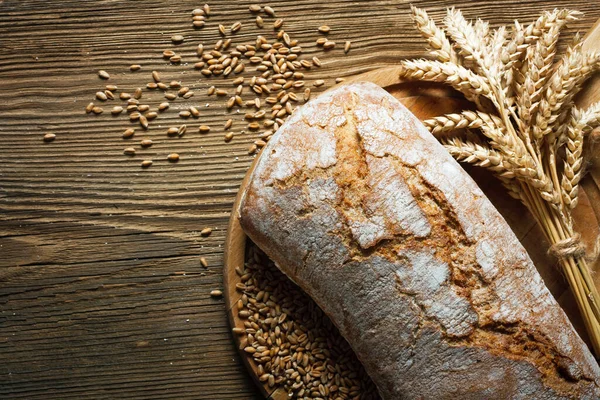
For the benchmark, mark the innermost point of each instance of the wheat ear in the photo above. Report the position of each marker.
(477, 154)
(589, 63)
(535, 70)
(591, 118)
(450, 122)
(466, 39)
(573, 159)
(549, 19)
(460, 78)
(525, 37)
(570, 71)
(441, 49)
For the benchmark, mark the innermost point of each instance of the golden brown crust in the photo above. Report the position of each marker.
(361, 207)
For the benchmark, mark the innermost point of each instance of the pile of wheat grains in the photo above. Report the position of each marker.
(292, 342)
(261, 83)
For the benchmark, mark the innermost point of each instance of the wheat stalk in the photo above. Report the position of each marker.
(533, 119)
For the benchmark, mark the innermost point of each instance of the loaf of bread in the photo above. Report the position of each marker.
(360, 206)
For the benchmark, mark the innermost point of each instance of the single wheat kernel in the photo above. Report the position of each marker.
(177, 39)
(347, 46)
(269, 11)
(328, 45)
(236, 27)
(203, 262)
(129, 151)
(144, 122)
(128, 133)
(206, 231)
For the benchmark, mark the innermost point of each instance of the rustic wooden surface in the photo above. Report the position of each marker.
(101, 291)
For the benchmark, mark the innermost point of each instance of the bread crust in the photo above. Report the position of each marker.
(359, 205)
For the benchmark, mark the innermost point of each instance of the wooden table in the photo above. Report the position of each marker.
(102, 294)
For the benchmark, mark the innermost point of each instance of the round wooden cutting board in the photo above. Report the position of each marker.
(425, 101)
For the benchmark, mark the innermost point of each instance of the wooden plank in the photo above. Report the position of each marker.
(92, 248)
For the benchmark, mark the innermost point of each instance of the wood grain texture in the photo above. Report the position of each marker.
(101, 291)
